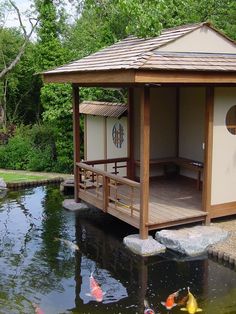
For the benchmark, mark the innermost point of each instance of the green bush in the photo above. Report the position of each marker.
(38, 148)
(15, 155)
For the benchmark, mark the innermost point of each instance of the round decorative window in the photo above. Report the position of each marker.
(118, 134)
(230, 120)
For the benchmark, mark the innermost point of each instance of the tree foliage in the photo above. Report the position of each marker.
(100, 23)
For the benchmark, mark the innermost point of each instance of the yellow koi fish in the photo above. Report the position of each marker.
(191, 305)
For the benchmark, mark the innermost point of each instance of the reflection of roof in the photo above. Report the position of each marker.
(101, 108)
(139, 53)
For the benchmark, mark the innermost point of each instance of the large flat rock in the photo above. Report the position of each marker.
(71, 205)
(146, 247)
(191, 241)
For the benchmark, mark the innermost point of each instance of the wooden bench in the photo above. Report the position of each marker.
(180, 162)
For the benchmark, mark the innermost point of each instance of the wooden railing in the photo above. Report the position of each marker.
(114, 165)
(108, 191)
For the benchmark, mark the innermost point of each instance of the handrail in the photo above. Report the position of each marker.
(105, 161)
(108, 175)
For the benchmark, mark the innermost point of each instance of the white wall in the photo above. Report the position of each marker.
(95, 128)
(112, 150)
(96, 144)
(203, 39)
(223, 188)
(95, 137)
(163, 125)
(192, 123)
(192, 126)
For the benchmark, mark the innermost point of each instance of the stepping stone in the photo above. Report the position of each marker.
(191, 241)
(146, 247)
(71, 205)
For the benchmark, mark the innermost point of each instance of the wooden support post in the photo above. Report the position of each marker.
(177, 121)
(106, 193)
(130, 168)
(206, 199)
(144, 160)
(76, 138)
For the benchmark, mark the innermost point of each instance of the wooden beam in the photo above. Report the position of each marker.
(185, 77)
(144, 160)
(177, 99)
(206, 199)
(131, 165)
(76, 138)
(95, 77)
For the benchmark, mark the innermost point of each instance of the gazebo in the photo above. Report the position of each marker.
(181, 161)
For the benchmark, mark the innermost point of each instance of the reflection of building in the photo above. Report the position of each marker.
(181, 98)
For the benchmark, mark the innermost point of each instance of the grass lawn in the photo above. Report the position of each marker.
(20, 177)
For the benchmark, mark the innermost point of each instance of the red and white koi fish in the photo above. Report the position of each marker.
(68, 243)
(147, 309)
(95, 290)
(37, 309)
(170, 301)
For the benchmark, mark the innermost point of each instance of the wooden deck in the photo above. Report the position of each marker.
(172, 201)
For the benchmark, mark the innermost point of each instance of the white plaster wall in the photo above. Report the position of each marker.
(163, 125)
(95, 138)
(223, 189)
(192, 125)
(112, 150)
(203, 39)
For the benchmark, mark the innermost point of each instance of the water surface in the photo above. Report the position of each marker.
(36, 269)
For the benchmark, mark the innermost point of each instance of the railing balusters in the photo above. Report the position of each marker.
(109, 191)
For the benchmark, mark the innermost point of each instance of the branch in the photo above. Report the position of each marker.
(19, 17)
(22, 48)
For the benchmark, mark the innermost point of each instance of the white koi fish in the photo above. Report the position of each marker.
(68, 243)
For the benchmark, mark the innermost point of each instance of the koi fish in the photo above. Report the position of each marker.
(191, 305)
(182, 297)
(37, 309)
(68, 243)
(147, 309)
(95, 290)
(170, 301)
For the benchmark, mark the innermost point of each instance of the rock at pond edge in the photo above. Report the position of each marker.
(191, 241)
(148, 247)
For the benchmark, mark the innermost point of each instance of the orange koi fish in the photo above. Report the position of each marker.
(37, 309)
(95, 290)
(170, 301)
(147, 309)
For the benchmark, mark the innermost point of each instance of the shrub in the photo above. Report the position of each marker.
(38, 148)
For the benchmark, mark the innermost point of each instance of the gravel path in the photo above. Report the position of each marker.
(226, 249)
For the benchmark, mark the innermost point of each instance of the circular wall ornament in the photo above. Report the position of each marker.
(118, 134)
(230, 120)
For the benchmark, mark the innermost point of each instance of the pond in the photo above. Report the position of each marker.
(41, 273)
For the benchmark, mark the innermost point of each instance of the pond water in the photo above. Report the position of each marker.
(37, 270)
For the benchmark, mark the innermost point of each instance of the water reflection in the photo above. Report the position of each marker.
(34, 268)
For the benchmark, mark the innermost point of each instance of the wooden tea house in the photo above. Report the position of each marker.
(180, 165)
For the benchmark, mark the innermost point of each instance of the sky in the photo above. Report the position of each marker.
(24, 5)
(11, 18)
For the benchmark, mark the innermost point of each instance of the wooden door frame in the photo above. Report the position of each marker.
(207, 179)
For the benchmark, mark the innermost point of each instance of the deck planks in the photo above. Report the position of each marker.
(172, 202)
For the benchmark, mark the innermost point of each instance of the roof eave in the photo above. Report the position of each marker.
(138, 77)
(105, 78)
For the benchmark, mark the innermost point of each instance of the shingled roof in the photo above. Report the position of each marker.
(132, 56)
(102, 108)
(129, 53)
